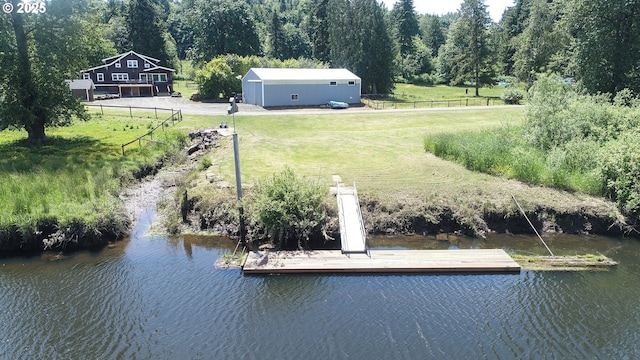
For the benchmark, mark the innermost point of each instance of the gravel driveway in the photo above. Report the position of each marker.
(187, 106)
(199, 108)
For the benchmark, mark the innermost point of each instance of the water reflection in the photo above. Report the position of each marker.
(153, 297)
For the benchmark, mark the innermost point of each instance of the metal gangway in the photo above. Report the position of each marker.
(353, 236)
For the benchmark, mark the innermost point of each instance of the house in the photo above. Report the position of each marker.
(130, 74)
(82, 89)
(300, 87)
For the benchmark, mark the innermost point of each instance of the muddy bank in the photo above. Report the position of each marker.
(217, 214)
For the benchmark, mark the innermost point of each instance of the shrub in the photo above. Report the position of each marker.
(215, 79)
(620, 170)
(512, 96)
(290, 209)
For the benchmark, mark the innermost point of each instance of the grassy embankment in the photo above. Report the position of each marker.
(402, 188)
(569, 140)
(65, 194)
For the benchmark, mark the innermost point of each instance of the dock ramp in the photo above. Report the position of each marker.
(353, 236)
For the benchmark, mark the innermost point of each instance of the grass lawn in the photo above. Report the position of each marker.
(410, 92)
(418, 96)
(382, 152)
(74, 178)
(185, 87)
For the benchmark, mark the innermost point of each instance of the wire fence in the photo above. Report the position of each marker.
(176, 115)
(131, 108)
(377, 104)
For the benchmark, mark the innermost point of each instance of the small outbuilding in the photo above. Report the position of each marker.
(82, 89)
(300, 87)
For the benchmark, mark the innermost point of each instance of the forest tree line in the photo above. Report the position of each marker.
(592, 42)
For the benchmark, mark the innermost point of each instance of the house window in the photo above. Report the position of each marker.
(294, 97)
(333, 83)
(147, 65)
(85, 76)
(119, 76)
(144, 77)
(132, 64)
(352, 83)
(100, 76)
(118, 65)
(159, 77)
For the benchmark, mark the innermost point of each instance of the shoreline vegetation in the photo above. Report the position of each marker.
(68, 194)
(65, 195)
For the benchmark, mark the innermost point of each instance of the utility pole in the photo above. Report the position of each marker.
(233, 108)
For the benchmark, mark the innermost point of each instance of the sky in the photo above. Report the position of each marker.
(441, 7)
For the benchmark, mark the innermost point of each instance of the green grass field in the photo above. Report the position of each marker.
(381, 151)
(410, 92)
(406, 96)
(73, 179)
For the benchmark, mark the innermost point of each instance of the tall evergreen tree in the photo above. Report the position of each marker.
(513, 23)
(404, 15)
(433, 34)
(147, 31)
(276, 37)
(538, 42)
(320, 31)
(467, 53)
(360, 40)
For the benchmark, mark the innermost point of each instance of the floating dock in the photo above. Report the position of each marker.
(355, 256)
(381, 261)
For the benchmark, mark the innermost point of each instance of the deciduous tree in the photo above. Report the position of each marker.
(606, 43)
(38, 52)
(222, 27)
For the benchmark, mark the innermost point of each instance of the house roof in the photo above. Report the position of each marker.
(80, 84)
(120, 56)
(112, 60)
(303, 74)
(159, 68)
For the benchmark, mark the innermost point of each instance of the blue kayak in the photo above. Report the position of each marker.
(338, 105)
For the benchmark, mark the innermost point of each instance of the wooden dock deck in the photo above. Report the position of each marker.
(382, 261)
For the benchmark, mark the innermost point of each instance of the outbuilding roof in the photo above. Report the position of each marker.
(303, 74)
(80, 84)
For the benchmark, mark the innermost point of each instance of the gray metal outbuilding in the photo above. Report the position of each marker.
(300, 87)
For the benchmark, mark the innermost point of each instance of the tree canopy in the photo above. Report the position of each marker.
(38, 53)
(594, 43)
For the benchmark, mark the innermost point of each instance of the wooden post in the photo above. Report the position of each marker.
(101, 109)
(156, 110)
(130, 112)
(122, 150)
(184, 206)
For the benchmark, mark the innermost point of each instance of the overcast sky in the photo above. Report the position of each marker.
(441, 7)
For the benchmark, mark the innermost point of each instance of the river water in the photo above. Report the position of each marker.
(157, 298)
